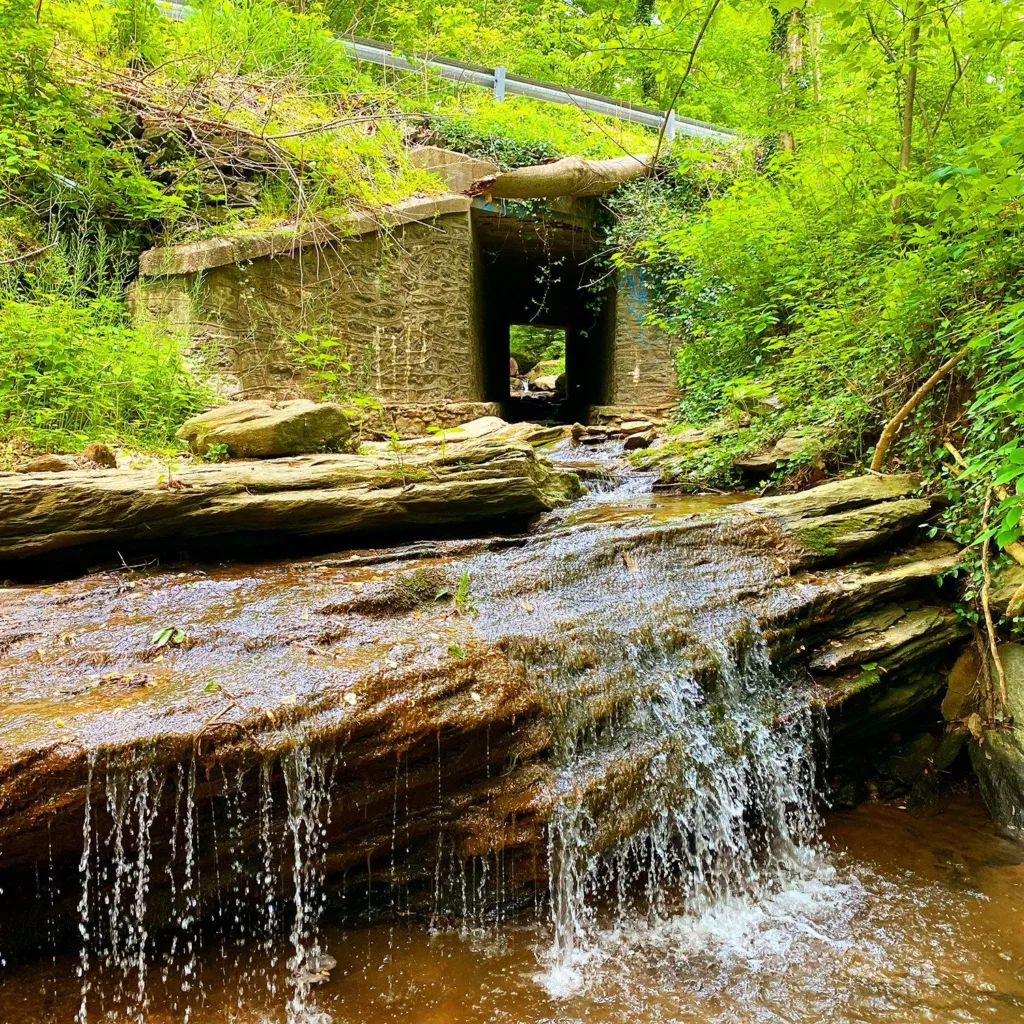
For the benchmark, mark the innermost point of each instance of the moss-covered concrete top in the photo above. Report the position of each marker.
(193, 257)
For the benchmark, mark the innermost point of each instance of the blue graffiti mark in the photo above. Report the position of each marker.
(634, 289)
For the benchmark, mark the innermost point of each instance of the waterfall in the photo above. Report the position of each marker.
(120, 856)
(705, 782)
(308, 776)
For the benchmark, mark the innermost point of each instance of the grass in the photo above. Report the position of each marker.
(74, 373)
(151, 132)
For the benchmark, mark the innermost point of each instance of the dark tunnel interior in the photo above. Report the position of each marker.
(540, 274)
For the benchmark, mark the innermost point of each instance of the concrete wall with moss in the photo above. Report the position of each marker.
(397, 298)
(396, 305)
(642, 372)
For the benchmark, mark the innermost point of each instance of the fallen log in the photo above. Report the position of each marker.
(572, 176)
(314, 495)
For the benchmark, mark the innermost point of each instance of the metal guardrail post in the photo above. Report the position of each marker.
(499, 83)
(670, 126)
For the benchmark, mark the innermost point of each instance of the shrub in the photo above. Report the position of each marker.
(71, 373)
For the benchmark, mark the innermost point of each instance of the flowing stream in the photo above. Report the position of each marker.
(689, 875)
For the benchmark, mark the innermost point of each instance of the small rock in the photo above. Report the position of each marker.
(635, 427)
(634, 442)
(54, 464)
(102, 454)
(321, 962)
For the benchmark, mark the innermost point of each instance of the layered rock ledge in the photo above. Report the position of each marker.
(384, 488)
(457, 672)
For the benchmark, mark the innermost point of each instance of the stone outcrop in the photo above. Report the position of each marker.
(998, 753)
(463, 669)
(387, 488)
(267, 430)
(837, 519)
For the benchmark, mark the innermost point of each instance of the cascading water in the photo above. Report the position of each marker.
(612, 699)
(707, 783)
(308, 776)
(122, 849)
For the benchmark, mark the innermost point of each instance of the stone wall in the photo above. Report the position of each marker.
(399, 299)
(642, 366)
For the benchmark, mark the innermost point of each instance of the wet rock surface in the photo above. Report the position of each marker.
(492, 657)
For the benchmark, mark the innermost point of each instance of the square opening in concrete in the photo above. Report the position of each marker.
(543, 300)
(536, 364)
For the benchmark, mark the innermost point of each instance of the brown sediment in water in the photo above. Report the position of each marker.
(913, 916)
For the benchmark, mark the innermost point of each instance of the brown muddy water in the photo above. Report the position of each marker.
(901, 916)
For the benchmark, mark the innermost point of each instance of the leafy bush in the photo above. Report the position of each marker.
(74, 373)
(838, 274)
(537, 343)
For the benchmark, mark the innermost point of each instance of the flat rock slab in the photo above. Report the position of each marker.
(314, 495)
(266, 430)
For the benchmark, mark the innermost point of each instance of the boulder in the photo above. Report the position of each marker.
(998, 758)
(634, 442)
(840, 535)
(549, 382)
(999, 764)
(266, 430)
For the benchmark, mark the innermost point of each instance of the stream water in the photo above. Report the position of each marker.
(689, 876)
(901, 916)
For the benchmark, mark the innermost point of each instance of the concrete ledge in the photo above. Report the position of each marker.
(193, 257)
(457, 170)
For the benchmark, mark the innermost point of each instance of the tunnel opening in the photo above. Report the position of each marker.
(546, 310)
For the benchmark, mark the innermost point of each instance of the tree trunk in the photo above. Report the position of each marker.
(909, 99)
(912, 403)
(572, 176)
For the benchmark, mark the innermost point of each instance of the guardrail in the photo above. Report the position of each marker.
(503, 84)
